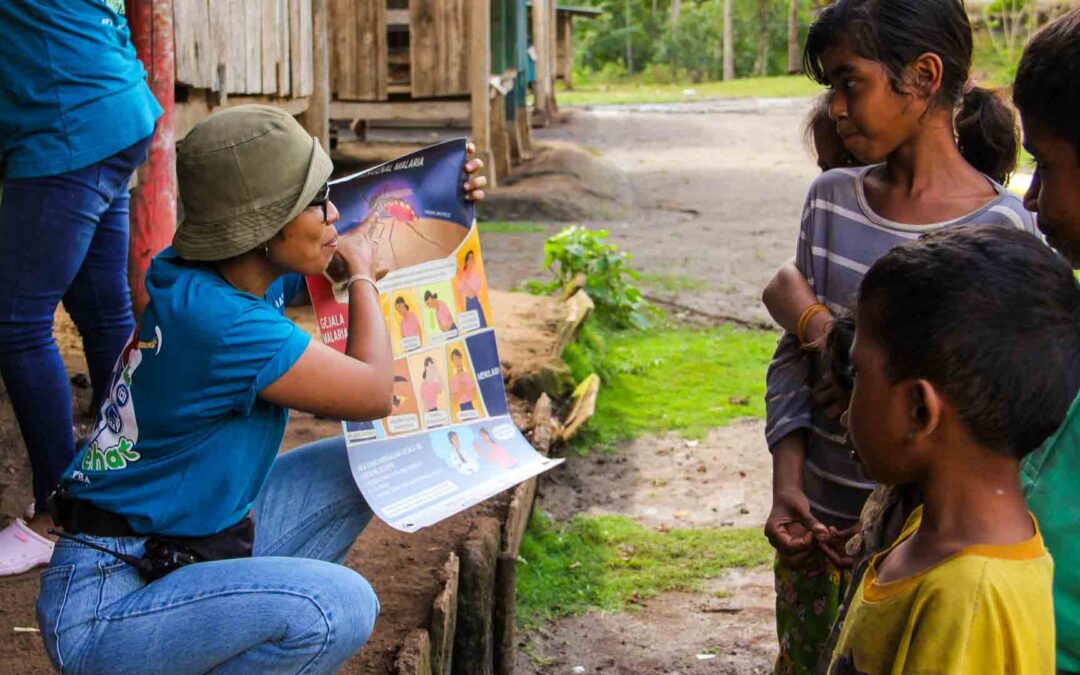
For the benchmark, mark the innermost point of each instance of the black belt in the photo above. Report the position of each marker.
(162, 554)
(80, 517)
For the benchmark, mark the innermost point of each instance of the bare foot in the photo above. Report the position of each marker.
(41, 523)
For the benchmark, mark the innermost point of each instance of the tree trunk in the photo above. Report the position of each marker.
(762, 69)
(729, 43)
(676, 11)
(794, 54)
(629, 43)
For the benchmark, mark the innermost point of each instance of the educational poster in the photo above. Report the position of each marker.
(449, 441)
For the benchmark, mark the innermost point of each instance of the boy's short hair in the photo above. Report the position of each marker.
(991, 316)
(1047, 83)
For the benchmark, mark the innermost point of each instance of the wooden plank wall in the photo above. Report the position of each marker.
(358, 50)
(259, 47)
(439, 47)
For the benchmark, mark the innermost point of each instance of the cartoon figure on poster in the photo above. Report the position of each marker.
(465, 401)
(492, 451)
(428, 373)
(471, 289)
(408, 333)
(405, 410)
(455, 448)
(438, 317)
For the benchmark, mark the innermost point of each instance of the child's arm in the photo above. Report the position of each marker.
(791, 528)
(787, 296)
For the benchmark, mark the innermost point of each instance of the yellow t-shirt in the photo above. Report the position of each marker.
(983, 611)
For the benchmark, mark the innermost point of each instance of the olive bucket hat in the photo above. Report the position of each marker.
(244, 173)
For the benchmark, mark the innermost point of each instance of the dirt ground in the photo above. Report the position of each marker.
(716, 190)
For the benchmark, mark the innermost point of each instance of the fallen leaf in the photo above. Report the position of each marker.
(681, 514)
(739, 400)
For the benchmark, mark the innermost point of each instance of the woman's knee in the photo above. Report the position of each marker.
(354, 609)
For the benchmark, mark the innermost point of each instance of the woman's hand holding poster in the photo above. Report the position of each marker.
(449, 442)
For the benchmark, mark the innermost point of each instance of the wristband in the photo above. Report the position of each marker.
(360, 277)
(804, 320)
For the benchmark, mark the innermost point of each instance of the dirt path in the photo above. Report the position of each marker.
(717, 189)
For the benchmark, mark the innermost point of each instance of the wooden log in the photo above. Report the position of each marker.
(479, 73)
(584, 407)
(545, 427)
(444, 618)
(316, 119)
(474, 637)
(505, 603)
(517, 517)
(414, 657)
(578, 308)
(153, 203)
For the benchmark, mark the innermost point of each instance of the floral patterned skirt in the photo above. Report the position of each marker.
(807, 602)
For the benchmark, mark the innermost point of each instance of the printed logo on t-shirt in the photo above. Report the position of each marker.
(113, 445)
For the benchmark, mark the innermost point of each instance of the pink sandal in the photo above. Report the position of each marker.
(22, 549)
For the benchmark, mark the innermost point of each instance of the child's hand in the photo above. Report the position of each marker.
(834, 542)
(831, 397)
(474, 187)
(791, 529)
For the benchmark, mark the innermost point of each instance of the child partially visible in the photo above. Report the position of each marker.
(1047, 93)
(966, 358)
(810, 587)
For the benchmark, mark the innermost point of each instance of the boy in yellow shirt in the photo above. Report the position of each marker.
(967, 344)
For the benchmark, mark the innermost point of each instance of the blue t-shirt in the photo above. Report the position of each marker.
(72, 92)
(183, 443)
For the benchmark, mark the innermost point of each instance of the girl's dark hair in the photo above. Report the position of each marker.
(401, 301)
(428, 295)
(991, 316)
(895, 33)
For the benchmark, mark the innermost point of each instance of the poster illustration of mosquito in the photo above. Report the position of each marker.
(449, 441)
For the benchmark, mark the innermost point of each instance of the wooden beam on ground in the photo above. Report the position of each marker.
(413, 111)
(479, 88)
(153, 203)
(316, 119)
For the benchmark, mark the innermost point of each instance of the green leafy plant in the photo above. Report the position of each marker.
(608, 275)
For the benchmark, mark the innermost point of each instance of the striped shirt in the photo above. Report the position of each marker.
(839, 238)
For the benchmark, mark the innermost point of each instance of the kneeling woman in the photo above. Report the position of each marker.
(184, 465)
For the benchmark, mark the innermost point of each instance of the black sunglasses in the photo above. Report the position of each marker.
(322, 198)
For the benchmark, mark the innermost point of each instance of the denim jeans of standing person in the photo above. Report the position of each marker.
(292, 608)
(62, 238)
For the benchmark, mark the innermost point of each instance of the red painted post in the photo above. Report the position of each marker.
(153, 203)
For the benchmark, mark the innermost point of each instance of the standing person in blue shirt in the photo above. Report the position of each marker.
(183, 466)
(76, 118)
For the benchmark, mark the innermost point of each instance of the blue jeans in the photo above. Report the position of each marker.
(292, 608)
(62, 237)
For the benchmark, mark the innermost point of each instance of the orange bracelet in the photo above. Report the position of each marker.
(804, 320)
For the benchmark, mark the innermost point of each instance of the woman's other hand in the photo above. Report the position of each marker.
(474, 186)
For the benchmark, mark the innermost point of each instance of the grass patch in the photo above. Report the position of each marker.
(505, 227)
(636, 92)
(672, 283)
(603, 563)
(671, 378)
